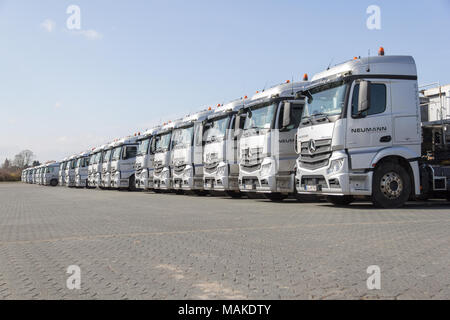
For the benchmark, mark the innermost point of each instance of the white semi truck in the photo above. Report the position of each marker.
(361, 135)
(144, 161)
(69, 177)
(106, 166)
(267, 156)
(51, 174)
(122, 163)
(187, 152)
(220, 155)
(62, 172)
(161, 147)
(81, 169)
(95, 167)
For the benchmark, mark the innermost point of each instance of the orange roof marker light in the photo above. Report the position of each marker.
(305, 77)
(209, 108)
(245, 97)
(381, 51)
(288, 81)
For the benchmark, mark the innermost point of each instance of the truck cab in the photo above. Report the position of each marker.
(81, 169)
(122, 163)
(361, 133)
(51, 174)
(95, 167)
(70, 171)
(37, 174)
(43, 169)
(144, 161)
(220, 155)
(106, 166)
(187, 152)
(62, 172)
(161, 147)
(267, 155)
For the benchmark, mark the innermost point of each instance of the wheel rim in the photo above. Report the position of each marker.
(391, 185)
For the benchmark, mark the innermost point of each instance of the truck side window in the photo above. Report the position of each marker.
(130, 152)
(296, 116)
(377, 99)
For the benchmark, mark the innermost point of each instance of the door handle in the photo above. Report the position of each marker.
(386, 139)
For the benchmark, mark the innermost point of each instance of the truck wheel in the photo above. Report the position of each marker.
(305, 197)
(234, 194)
(54, 183)
(132, 184)
(340, 200)
(391, 186)
(275, 197)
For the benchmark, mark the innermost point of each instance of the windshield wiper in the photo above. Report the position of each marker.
(306, 119)
(322, 115)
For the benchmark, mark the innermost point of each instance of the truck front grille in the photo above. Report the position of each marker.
(251, 157)
(315, 154)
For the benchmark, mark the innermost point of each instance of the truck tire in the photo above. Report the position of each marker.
(234, 194)
(275, 197)
(54, 182)
(340, 200)
(132, 183)
(391, 186)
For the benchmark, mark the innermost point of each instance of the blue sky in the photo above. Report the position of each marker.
(136, 63)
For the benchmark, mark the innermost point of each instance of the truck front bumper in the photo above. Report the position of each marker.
(70, 181)
(162, 180)
(338, 182)
(264, 179)
(185, 180)
(80, 181)
(106, 180)
(220, 179)
(143, 180)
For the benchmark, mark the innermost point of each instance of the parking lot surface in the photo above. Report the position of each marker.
(164, 246)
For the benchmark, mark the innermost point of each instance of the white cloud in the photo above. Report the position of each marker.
(48, 25)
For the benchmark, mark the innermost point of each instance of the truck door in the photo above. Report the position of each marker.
(371, 131)
(128, 159)
(286, 136)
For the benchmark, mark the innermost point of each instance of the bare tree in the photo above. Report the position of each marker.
(6, 164)
(23, 159)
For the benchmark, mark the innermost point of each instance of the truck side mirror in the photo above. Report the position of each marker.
(363, 97)
(237, 124)
(286, 114)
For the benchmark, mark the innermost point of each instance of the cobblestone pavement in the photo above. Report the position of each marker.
(166, 246)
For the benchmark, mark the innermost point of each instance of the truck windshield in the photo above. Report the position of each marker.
(182, 137)
(73, 163)
(143, 147)
(78, 165)
(116, 153)
(260, 117)
(216, 130)
(93, 157)
(325, 100)
(107, 156)
(162, 142)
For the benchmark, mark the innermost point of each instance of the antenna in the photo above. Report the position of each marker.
(329, 65)
(292, 85)
(368, 62)
(264, 86)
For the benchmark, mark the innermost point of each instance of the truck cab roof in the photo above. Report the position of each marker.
(377, 65)
(224, 109)
(283, 90)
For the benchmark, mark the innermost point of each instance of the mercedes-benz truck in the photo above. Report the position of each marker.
(220, 155)
(267, 155)
(122, 163)
(361, 135)
(81, 169)
(144, 161)
(70, 171)
(51, 174)
(106, 167)
(187, 152)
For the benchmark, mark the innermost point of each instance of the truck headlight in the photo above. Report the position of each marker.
(265, 169)
(335, 165)
(188, 172)
(221, 170)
